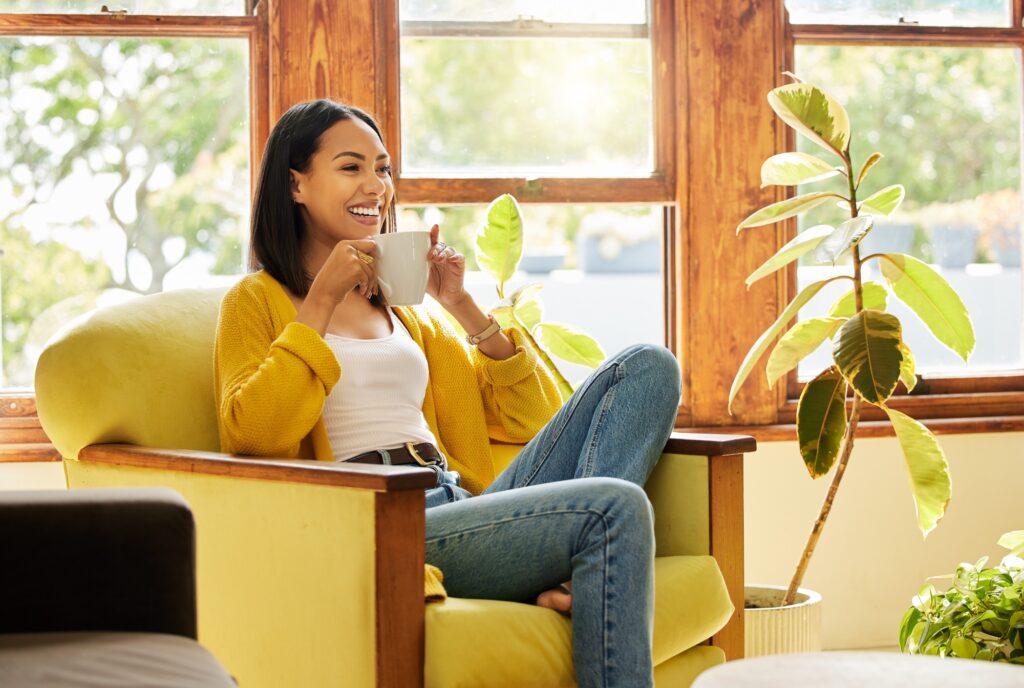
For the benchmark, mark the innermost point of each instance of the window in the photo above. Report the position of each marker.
(944, 105)
(128, 159)
(558, 104)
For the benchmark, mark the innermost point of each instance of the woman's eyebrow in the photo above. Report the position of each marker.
(358, 156)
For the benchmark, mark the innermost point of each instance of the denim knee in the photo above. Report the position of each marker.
(657, 363)
(620, 500)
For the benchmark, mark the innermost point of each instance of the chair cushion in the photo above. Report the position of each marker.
(523, 645)
(149, 380)
(108, 660)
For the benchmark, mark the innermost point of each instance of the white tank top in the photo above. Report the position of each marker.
(378, 402)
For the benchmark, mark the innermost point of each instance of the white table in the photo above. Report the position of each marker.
(860, 670)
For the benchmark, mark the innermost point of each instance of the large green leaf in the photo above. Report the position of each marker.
(766, 338)
(570, 344)
(873, 294)
(499, 243)
(932, 299)
(503, 310)
(801, 341)
(908, 374)
(929, 472)
(787, 208)
(529, 311)
(867, 352)
(790, 169)
(813, 113)
(883, 201)
(845, 237)
(1013, 541)
(868, 164)
(821, 421)
(798, 246)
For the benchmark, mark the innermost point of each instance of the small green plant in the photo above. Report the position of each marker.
(980, 616)
(868, 350)
(499, 248)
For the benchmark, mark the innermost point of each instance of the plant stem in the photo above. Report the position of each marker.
(851, 428)
(826, 506)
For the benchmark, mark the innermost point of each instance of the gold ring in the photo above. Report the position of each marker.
(365, 257)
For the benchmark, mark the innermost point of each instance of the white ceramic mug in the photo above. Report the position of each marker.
(402, 266)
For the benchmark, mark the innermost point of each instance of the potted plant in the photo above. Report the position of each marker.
(980, 615)
(869, 354)
(498, 249)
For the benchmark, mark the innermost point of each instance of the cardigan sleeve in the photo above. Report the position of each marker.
(271, 389)
(519, 393)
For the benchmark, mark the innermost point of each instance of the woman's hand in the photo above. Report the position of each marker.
(351, 265)
(447, 272)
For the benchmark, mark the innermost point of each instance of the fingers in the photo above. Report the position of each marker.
(434, 232)
(368, 246)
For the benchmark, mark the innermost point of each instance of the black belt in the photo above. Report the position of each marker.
(423, 454)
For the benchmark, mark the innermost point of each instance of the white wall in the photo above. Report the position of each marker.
(871, 558)
(45, 475)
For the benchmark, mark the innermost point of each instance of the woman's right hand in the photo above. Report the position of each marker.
(344, 270)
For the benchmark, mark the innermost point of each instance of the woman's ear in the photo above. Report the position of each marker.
(296, 180)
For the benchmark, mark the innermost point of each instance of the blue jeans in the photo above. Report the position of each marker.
(571, 506)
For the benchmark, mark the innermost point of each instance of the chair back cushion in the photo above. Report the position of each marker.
(139, 372)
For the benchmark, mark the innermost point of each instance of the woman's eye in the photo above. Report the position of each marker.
(385, 169)
(350, 168)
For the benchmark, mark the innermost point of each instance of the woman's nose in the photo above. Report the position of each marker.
(372, 183)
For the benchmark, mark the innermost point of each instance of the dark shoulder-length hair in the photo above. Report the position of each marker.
(277, 230)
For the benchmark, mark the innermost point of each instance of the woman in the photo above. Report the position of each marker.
(311, 363)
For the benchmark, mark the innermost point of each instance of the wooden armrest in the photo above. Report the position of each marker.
(365, 476)
(709, 445)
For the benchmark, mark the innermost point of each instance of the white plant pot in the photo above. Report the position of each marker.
(774, 630)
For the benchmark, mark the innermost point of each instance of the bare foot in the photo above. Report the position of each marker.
(559, 599)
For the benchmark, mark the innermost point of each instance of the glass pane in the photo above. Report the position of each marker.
(600, 267)
(180, 7)
(129, 174)
(570, 11)
(521, 107)
(924, 12)
(948, 121)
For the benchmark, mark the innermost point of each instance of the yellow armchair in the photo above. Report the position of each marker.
(310, 573)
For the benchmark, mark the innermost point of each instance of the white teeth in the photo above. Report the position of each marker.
(368, 212)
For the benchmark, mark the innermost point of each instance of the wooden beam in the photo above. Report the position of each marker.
(401, 553)
(709, 444)
(448, 191)
(725, 483)
(322, 49)
(732, 57)
(907, 34)
(366, 476)
(124, 25)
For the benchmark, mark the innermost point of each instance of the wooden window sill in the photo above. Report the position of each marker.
(786, 432)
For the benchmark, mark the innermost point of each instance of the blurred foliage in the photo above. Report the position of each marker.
(527, 104)
(126, 157)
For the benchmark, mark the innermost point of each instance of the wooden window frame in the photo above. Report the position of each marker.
(21, 437)
(655, 188)
(985, 395)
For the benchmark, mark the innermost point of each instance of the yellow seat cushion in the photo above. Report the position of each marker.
(522, 645)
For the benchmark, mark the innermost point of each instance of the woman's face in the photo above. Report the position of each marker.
(347, 189)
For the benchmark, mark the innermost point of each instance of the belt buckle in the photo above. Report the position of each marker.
(416, 455)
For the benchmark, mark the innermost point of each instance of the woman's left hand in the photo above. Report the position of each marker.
(447, 271)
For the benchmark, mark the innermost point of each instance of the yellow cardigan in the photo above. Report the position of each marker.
(273, 375)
